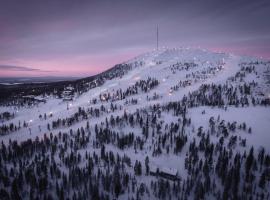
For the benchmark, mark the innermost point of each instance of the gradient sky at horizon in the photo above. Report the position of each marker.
(84, 37)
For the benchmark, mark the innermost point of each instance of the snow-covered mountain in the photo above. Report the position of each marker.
(169, 124)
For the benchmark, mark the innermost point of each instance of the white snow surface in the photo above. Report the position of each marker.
(168, 57)
(156, 64)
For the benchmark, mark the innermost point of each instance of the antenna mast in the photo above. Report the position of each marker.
(157, 37)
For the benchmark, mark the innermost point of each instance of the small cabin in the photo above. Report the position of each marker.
(167, 173)
(68, 94)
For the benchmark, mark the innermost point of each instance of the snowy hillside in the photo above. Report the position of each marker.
(169, 124)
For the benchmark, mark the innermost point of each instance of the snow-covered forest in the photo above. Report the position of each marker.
(169, 124)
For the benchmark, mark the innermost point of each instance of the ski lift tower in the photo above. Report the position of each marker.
(157, 37)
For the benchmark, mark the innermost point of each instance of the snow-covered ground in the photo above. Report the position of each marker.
(161, 71)
(258, 118)
(165, 66)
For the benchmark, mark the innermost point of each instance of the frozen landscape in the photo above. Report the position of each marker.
(182, 123)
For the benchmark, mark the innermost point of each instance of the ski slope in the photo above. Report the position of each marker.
(161, 71)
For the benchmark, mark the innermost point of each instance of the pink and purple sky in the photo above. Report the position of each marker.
(85, 37)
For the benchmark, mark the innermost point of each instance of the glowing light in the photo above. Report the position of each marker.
(30, 121)
(170, 92)
(137, 78)
(103, 98)
(70, 104)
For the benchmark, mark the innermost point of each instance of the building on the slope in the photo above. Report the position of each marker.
(167, 173)
(34, 98)
(68, 94)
